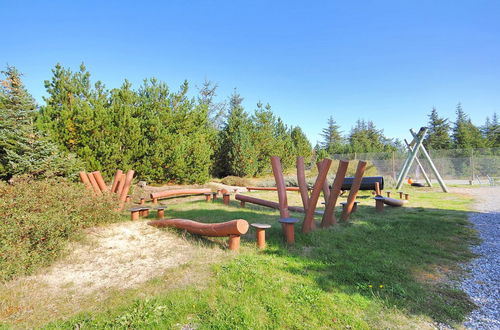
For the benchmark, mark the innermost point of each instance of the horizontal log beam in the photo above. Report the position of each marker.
(177, 192)
(233, 227)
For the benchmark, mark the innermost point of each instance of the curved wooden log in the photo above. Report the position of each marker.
(393, 201)
(100, 181)
(85, 180)
(272, 188)
(94, 184)
(358, 176)
(116, 179)
(308, 223)
(233, 227)
(301, 180)
(266, 203)
(126, 186)
(329, 216)
(177, 192)
(280, 185)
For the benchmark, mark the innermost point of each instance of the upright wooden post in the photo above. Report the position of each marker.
(308, 223)
(100, 181)
(326, 189)
(85, 179)
(121, 184)
(116, 179)
(329, 216)
(280, 185)
(356, 183)
(126, 187)
(301, 180)
(94, 184)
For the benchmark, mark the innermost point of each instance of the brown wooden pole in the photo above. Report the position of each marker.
(234, 242)
(100, 181)
(356, 183)
(329, 215)
(178, 192)
(94, 184)
(301, 180)
(326, 189)
(116, 179)
(280, 185)
(233, 227)
(85, 179)
(121, 183)
(126, 187)
(377, 189)
(308, 223)
(261, 238)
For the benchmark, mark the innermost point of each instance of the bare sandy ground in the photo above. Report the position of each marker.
(112, 258)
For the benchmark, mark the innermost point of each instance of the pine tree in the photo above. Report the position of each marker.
(237, 155)
(263, 136)
(491, 132)
(365, 137)
(23, 149)
(301, 143)
(332, 139)
(438, 136)
(465, 134)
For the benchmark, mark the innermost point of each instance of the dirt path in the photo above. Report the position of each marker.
(111, 259)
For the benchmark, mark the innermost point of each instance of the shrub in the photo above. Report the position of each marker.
(235, 181)
(39, 217)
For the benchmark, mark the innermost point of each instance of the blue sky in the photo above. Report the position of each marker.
(386, 61)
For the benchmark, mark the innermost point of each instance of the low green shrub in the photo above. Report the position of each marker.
(235, 181)
(39, 217)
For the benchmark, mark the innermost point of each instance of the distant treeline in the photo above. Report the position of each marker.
(166, 135)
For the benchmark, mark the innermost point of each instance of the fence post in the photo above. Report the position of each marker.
(393, 166)
(472, 165)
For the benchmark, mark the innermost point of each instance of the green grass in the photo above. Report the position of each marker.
(378, 271)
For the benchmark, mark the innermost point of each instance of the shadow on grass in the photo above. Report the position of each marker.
(400, 256)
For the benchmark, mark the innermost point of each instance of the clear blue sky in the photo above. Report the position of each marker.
(386, 61)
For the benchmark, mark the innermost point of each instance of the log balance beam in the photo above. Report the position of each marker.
(266, 203)
(272, 188)
(234, 228)
(178, 192)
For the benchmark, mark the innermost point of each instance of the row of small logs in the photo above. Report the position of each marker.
(143, 212)
(379, 200)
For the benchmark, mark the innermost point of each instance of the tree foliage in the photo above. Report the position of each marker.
(438, 136)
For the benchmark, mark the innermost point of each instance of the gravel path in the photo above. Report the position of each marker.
(483, 284)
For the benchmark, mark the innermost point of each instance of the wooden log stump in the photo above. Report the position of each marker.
(208, 197)
(289, 229)
(261, 233)
(226, 198)
(379, 203)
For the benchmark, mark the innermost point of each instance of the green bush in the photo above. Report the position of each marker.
(39, 217)
(235, 181)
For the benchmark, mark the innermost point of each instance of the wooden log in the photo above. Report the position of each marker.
(266, 203)
(354, 191)
(94, 184)
(121, 184)
(301, 180)
(329, 215)
(126, 186)
(308, 223)
(272, 188)
(116, 179)
(280, 185)
(178, 192)
(326, 189)
(85, 180)
(233, 227)
(394, 202)
(377, 189)
(100, 181)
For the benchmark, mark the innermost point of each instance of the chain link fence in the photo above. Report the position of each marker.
(456, 166)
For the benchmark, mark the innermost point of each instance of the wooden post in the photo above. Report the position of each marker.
(326, 189)
(208, 197)
(280, 185)
(356, 183)
(121, 184)
(85, 179)
(377, 188)
(100, 181)
(308, 224)
(226, 198)
(301, 180)
(234, 242)
(379, 204)
(116, 179)
(126, 187)
(329, 216)
(94, 184)
(242, 203)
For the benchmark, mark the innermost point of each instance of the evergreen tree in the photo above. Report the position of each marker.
(285, 148)
(301, 143)
(23, 150)
(365, 137)
(438, 136)
(465, 134)
(491, 132)
(332, 139)
(237, 155)
(263, 136)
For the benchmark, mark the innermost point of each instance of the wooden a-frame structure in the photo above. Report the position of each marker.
(414, 147)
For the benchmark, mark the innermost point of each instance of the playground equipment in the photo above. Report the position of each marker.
(179, 192)
(266, 203)
(272, 188)
(413, 149)
(233, 229)
(260, 233)
(121, 183)
(367, 183)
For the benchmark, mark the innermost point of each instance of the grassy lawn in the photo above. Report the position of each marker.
(378, 271)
